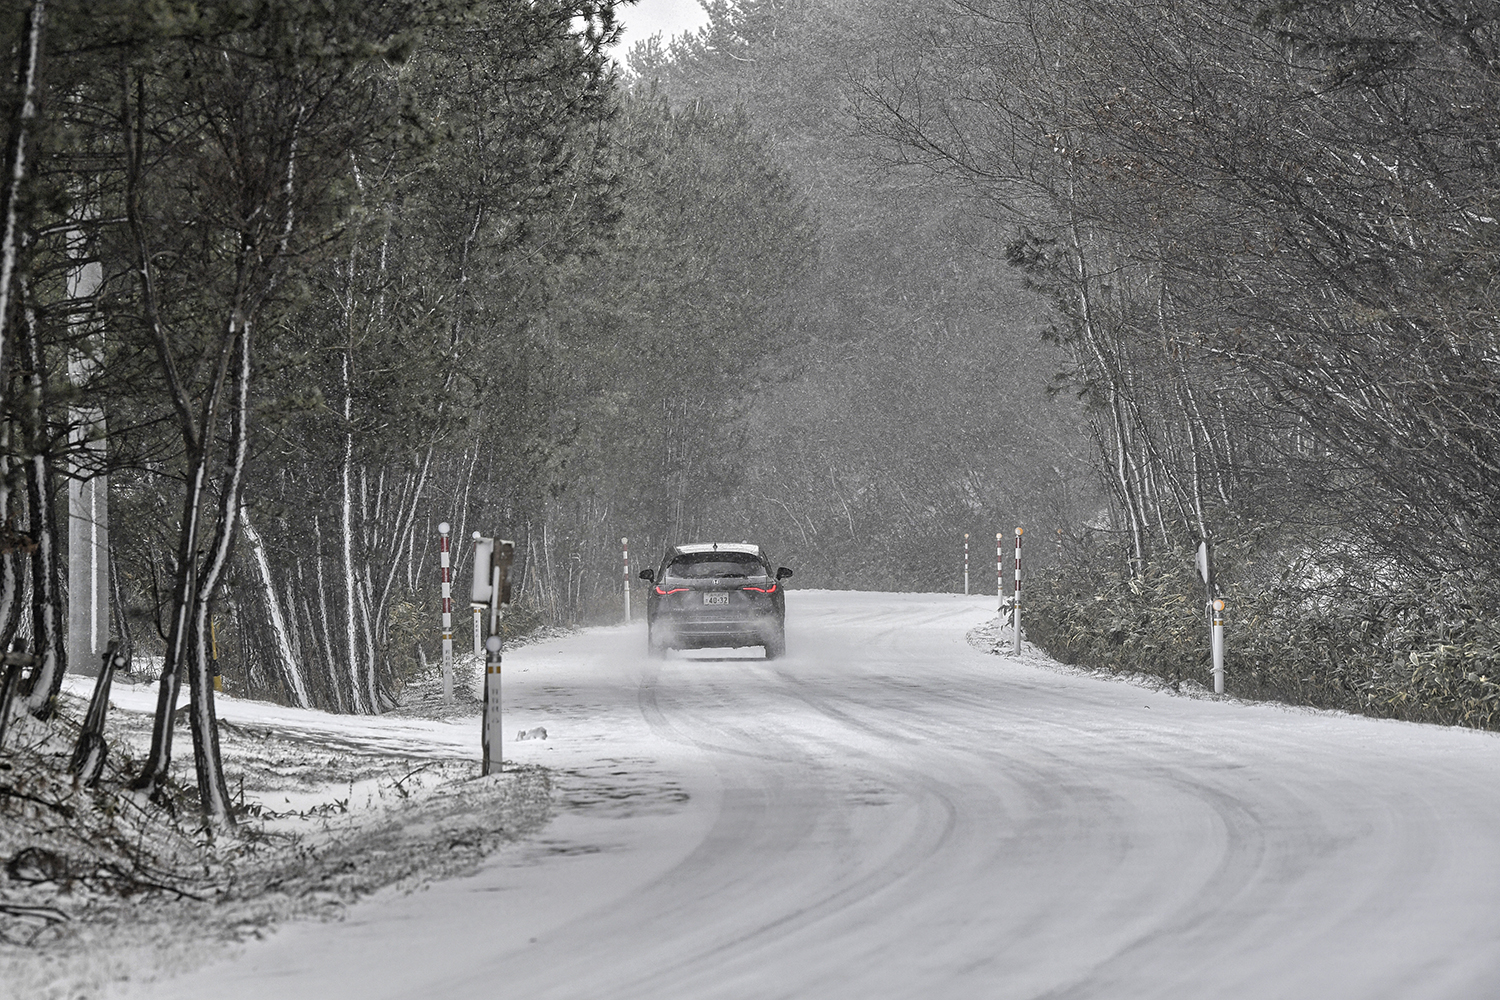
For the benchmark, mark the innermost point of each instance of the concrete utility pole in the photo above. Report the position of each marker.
(88, 487)
(88, 571)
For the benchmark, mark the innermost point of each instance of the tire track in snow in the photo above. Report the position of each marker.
(749, 815)
(888, 813)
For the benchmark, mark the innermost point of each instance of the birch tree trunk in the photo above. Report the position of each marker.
(358, 689)
(343, 698)
(290, 669)
(1122, 464)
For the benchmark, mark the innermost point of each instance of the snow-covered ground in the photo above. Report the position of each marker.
(889, 812)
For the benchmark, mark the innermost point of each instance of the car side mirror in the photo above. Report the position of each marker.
(783, 573)
(647, 575)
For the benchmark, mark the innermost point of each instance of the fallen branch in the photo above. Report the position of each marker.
(58, 807)
(48, 913)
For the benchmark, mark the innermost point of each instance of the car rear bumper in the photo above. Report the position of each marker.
(697, 631)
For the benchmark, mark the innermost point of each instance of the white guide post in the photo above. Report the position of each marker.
(1000, 572)
(1016, 601)
(443, 530)
(625, 554)
(478, 631)
(966, 564)
(1216, 638)
(493, 763)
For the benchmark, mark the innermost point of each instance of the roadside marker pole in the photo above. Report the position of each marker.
(491, 588)
(443, 530)
(478, 632)
(625, 552)
(1215, 608)
(493, 762)
(1016, 603)
(999, 572)
(1217, 643)
(966, 564)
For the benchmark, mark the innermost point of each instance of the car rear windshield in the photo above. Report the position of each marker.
(708, 565)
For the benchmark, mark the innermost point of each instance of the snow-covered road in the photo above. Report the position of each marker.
(890, 813)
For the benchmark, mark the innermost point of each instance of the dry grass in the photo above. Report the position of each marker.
(98, 884)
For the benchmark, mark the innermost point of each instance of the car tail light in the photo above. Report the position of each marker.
(674, 590)
(762, 590)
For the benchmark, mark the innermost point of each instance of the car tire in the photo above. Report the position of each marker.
(776, 644)
(654, 647)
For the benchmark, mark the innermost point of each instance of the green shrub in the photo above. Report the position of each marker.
(1421, 649)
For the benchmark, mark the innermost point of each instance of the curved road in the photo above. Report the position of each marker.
(889, 813)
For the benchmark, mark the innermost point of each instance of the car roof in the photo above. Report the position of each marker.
(745, 547)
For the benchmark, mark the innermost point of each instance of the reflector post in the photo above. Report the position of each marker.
(1016, 597)
(446, 569)
(1216, 637)
(1000, 572)
(491, 587)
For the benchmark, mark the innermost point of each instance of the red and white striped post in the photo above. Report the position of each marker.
(1016, 601)
(625, 555)
(1000, 572)
(443, 530)
(966, 564)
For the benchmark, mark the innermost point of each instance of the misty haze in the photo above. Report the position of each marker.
(496, 499)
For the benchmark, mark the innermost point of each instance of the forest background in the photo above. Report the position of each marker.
(850, 279)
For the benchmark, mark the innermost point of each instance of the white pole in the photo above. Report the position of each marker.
(966, 564)
(443, 530)
(625, 551)
(491, 559)
(478, 631)
(493, 762)
(1217, 643)
(999, 572)
(1016, 602)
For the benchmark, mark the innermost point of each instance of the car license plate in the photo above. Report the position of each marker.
(716, 598)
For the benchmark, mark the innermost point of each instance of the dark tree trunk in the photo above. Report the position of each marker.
(15, 167)
(12, 542)
(46, 593)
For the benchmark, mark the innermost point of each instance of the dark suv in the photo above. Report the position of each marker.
(716, 594)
